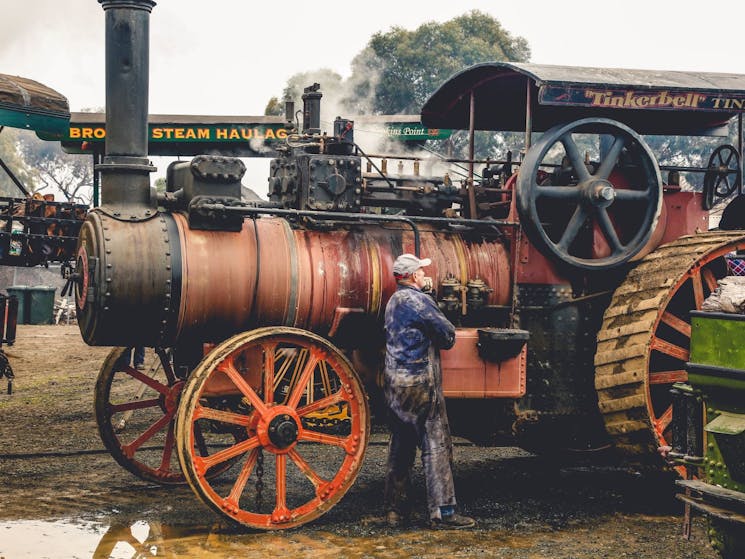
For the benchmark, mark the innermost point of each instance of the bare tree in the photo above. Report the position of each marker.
(58, 172)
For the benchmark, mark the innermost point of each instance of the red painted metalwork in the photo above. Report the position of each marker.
(465, 374)
(276, 424)
(269, 273)
(685, 215)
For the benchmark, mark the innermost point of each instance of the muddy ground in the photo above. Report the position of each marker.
(56, 479)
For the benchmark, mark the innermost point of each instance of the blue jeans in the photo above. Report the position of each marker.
(126, 357)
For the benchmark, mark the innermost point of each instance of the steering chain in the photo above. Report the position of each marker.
(259, 479)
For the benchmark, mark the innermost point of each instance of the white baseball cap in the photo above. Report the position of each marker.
(407, 264)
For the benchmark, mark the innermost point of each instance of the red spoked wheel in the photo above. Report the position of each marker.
(135, 412)
(305, 417)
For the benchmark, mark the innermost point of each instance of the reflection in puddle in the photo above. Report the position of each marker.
(141, 540)
(48, 540)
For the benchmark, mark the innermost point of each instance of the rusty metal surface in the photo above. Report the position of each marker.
(218, 280)
(132, 277)
(163, 281)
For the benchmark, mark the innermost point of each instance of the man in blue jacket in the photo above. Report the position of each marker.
(416, 330)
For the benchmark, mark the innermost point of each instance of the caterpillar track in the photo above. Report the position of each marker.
(644, 340)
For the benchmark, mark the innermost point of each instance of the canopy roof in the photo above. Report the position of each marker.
(649, 101)
(30, 105)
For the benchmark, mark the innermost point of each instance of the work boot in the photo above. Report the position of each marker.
(453, 521)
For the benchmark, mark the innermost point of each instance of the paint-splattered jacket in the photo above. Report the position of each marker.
(412, 323)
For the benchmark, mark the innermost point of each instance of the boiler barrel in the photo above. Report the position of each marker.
(157, 281)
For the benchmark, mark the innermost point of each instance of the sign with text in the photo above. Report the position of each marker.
(657, 99)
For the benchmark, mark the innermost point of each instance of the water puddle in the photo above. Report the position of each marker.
(141, 540)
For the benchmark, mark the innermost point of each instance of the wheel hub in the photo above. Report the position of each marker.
(283, 431)
(600, 193)
(278, 429)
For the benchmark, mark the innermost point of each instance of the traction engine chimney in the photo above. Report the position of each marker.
(125, 180)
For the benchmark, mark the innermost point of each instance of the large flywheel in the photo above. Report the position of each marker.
(589, 193)
(644, 342)
(303, 417)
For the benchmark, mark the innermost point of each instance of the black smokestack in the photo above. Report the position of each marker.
(125, 172)
(312, 109)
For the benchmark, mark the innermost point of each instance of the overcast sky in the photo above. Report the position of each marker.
(228, 57)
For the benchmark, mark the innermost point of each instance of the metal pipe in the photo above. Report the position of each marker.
(411, 221)
(472, 213)
(739, 150)
(312, 109)
(528, 115)
(125, 171)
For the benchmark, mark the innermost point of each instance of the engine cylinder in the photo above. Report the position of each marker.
(158, 281)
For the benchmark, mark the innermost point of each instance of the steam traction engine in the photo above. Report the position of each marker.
(266, 315)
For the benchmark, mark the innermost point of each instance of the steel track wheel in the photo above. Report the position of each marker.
(135, 415)
(723, 163)
(644, 341)
(305, 415)
(592, 216)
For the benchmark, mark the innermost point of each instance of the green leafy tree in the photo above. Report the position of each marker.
(400, 69)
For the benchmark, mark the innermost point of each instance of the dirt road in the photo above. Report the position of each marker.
(61, 489)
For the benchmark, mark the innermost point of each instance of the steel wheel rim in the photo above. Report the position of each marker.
(303, 487)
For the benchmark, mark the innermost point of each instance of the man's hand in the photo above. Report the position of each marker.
(428, 287)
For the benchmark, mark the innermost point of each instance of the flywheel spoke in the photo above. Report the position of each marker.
(316, 437)
(165, 463)
(628, 195)
(611, 158)
(606, 226)
(572, 151)
(269, 353)
(573, 227)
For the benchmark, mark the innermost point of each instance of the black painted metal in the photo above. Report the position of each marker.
(312, 109)
(125, 184)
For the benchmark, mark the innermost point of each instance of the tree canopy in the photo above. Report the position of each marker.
(402, 68)
(399, 69)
